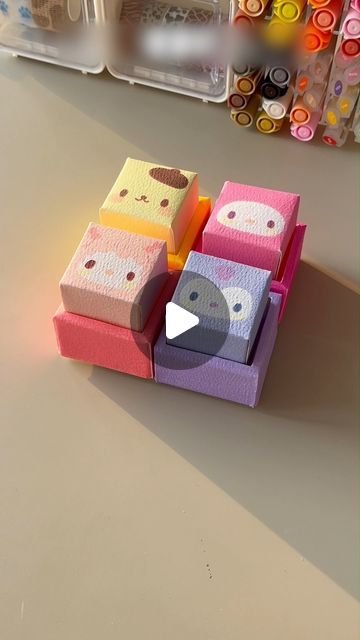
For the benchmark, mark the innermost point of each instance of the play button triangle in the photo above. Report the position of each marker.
(178, 320)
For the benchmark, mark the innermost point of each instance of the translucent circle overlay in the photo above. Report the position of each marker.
(200, 296)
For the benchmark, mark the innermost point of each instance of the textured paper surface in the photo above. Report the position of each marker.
(153, 200)
(251, 225)
(245, 290)
(106, 277)
(219, 377)
(192, 235)
(108, 345)
(288, 268)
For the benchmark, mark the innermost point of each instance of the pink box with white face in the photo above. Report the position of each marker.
(251, 225)
(115, 276)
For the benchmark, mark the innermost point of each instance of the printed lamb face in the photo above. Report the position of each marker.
(201, 297)
(109, 270)
(115, 277)
(251, 217)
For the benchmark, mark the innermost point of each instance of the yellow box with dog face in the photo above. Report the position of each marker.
(152, 200)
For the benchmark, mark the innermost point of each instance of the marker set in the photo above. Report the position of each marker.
(310, 89)
(325, 87)
(270, 87)
(264, 92)
(343, 89)
(158, 242)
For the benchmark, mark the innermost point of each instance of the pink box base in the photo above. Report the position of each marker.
(107, 345)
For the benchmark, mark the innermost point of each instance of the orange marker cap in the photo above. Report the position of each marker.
(299, 114)
(314, 39)
(319, 3)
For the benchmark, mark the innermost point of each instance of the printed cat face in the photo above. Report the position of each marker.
(109, 270)
(201, 297)
(251, 217)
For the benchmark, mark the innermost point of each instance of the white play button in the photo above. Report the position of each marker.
(178, 320)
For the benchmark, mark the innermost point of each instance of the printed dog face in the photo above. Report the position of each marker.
(145, 188)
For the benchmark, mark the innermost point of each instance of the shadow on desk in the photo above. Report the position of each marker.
(292, 462)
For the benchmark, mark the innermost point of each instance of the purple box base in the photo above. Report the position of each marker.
(218, 377)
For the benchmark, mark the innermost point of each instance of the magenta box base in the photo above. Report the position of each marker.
(107, 345)
(219, 377)
(289, 267)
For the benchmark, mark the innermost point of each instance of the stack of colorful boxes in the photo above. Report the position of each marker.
(141, 257)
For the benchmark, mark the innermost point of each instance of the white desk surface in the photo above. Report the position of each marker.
(131, 510)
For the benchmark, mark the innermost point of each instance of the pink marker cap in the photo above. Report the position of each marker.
(352, 74)
(306, 132)
(351, 26)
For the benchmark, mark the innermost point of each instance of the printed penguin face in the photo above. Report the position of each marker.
(201, 297)
(251, 217)
(109, 270)
(141, 189)
(239, 302)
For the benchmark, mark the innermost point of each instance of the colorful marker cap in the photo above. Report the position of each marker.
(311, 100)
(242, 20)
(350, 48)
(351, 26)
(299, 115)
(303, 83)
(304, 132)
(280, 76)
(245, 85)
(331, 118)
(287, 11)
(329, 140)
(319, 3)
(346, 105)
(324, 19)
(270, 91)
(312, 42)
(276, 110)
(241, 68)
(237, 101)
(253, 7)
(315, 40)
(338, 88)
(352, 74)
(244, 119)
(264, 124)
